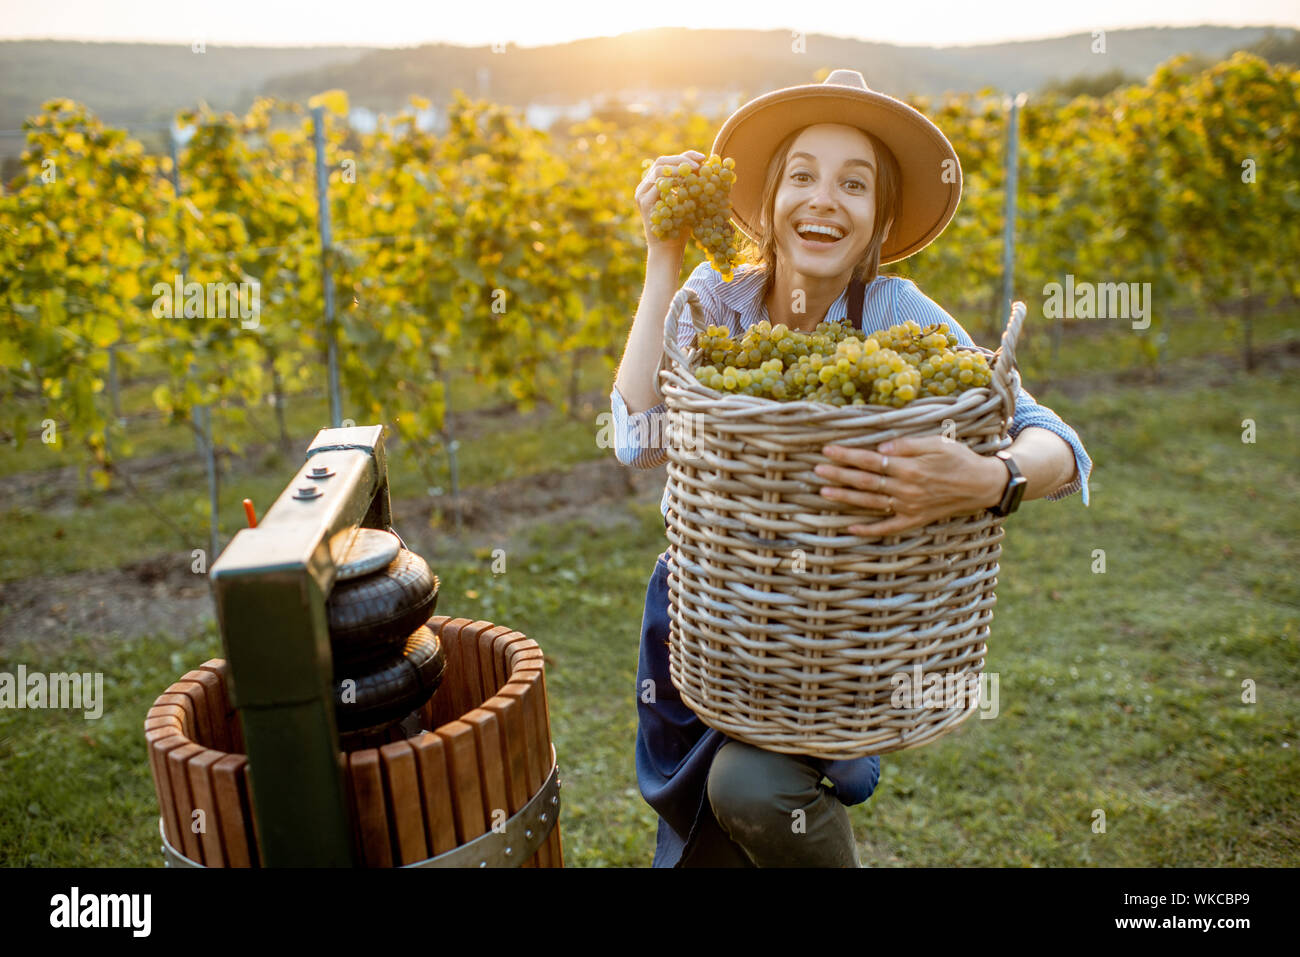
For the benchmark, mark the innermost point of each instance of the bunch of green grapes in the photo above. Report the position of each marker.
(839, 365)
(700, 199)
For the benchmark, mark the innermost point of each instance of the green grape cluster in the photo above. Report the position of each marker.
(839, 365)
(700, 199)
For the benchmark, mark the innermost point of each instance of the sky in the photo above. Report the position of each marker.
(540, 22)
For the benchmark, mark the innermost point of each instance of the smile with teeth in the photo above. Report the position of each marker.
(818, 233)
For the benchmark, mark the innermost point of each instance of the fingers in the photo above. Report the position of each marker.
(864, 459)
(893, 525)
(669, 164)
(875, 501)
(867, 481)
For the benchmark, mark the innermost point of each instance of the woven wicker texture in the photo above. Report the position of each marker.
(788, 632)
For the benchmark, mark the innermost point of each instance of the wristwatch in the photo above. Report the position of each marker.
(1015, 490)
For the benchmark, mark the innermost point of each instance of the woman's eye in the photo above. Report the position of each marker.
(797, 175)
(856, 182)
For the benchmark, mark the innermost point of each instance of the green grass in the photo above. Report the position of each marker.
(1119, 691)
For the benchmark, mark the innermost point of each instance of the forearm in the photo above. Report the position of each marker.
(1043, 457)
(637, 373)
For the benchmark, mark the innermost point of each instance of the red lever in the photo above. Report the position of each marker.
(252, 515)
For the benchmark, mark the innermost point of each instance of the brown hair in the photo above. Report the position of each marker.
(888, 189)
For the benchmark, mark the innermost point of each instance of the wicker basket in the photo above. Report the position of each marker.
(787, 631)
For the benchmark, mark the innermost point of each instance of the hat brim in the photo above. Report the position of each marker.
(931, 171)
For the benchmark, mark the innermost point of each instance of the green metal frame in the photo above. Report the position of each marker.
(270, 586)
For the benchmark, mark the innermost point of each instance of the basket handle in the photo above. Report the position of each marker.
(685, 298)
(1006, 377)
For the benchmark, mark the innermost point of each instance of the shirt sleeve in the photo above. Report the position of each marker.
(855, 780)
(911, 303)
(638, 436)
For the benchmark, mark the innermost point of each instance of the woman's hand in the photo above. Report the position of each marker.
(647, 194)
(919, 480)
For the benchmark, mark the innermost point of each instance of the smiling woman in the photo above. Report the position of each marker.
(831, 212)
(832, 180)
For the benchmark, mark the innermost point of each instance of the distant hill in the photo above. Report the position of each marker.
(134, 84)
(129, 84)
(747, 61)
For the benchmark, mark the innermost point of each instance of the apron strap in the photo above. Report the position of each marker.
(857, 291)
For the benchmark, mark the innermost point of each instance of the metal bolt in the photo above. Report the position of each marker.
(321, 472)
(306, 493)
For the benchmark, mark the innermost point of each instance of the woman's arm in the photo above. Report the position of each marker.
(929, 478)
(636, 381)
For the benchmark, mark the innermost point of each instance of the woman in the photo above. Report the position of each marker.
(833, 179)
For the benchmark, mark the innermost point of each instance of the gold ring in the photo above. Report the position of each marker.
(891, 505)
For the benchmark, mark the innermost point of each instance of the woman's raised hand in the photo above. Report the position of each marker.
(647, 194)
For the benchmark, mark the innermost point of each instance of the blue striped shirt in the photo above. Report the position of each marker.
(889, 300)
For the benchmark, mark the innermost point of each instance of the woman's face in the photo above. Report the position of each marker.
(829, 180)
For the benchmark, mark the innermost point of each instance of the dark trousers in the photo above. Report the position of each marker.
(770, 810)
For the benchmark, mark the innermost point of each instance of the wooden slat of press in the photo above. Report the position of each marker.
(163, 721)
(233, 730)
(528, 666)
(436, 710)
(233, 814)
(187, 708)
(367, 782)
(508, 709)
(435, 784)
(215, 699)
(489, 677)
(471, 637)
(462, 766)
(160, 742)
(204, 797)
(405, 809)
(199, 700)
(491, 765)
(525, 661)
(177, 758)
(554, 842)
(501, 646)
(459, 678)
(539, 742)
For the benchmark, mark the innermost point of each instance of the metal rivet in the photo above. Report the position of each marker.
(554, 799)
(482, 864)
(542, 815)
(528, 832)
(509, 850)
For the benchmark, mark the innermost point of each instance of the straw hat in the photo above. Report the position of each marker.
(928, 197)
